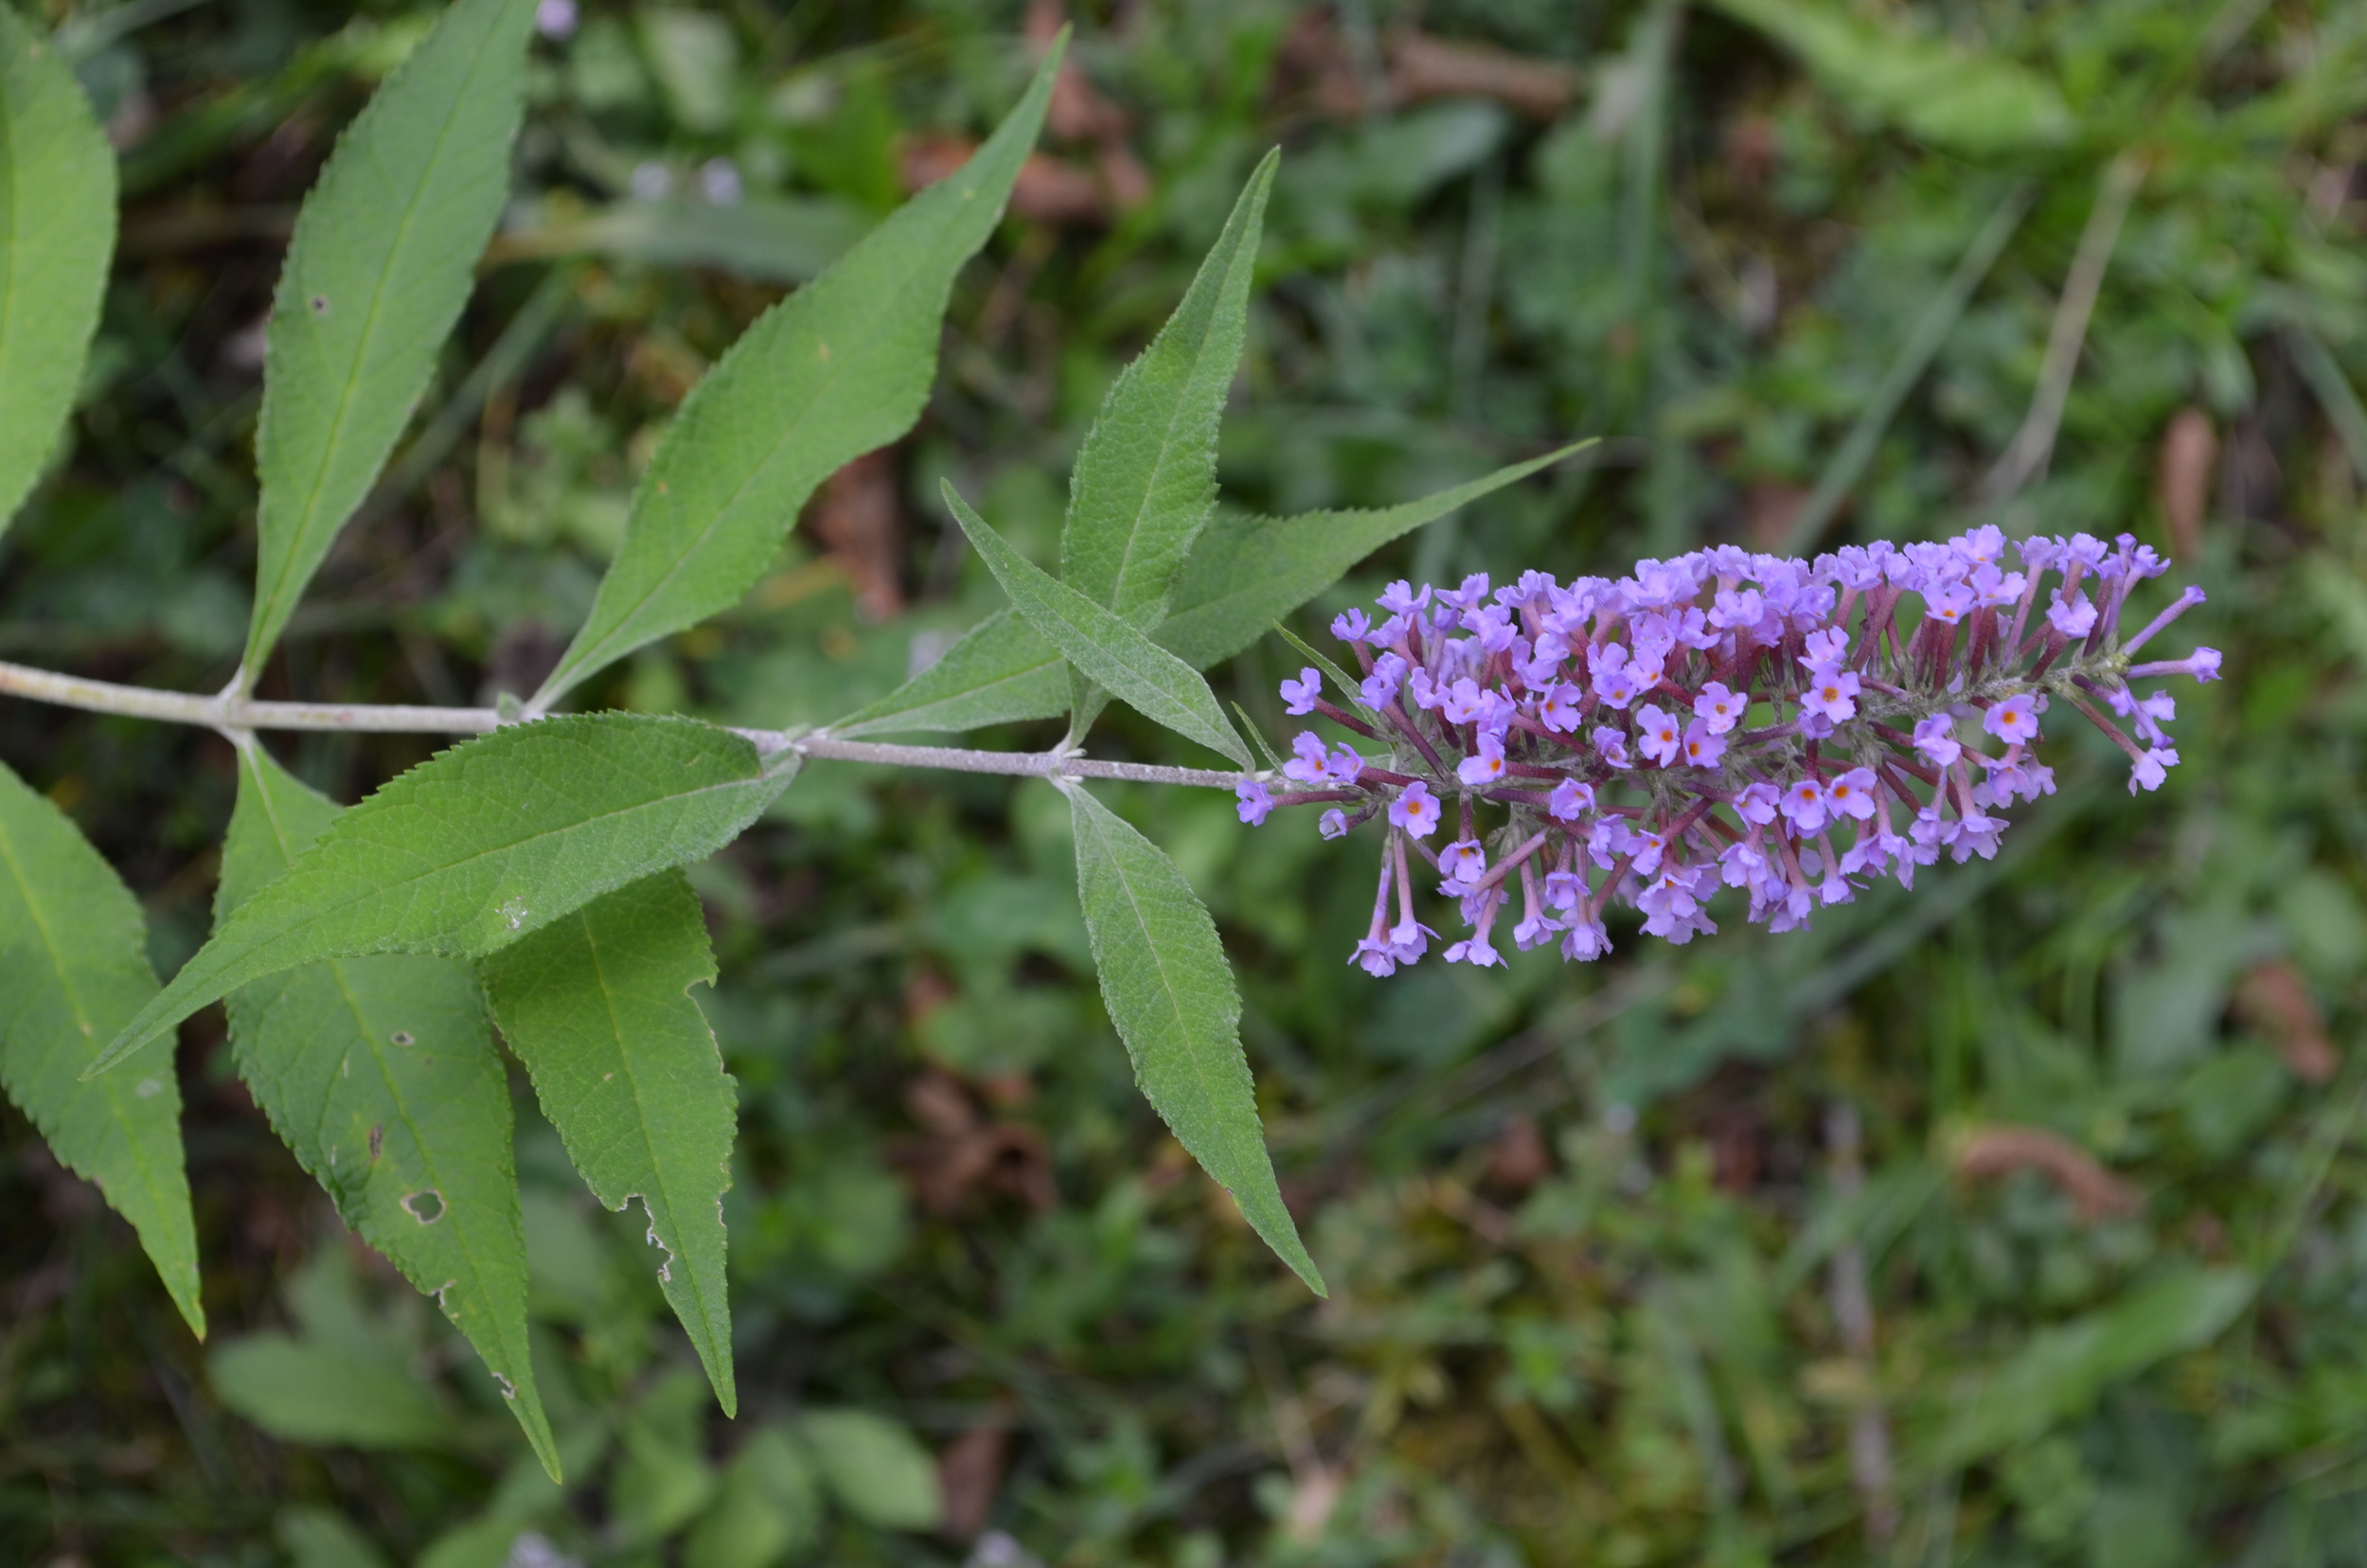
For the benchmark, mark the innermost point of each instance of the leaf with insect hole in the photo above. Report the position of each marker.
(378, 1072)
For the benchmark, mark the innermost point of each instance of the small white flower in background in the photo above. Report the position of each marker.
(651, 180)
(555, 19)
(534, 1550)
(998, 1550)
(719, 182)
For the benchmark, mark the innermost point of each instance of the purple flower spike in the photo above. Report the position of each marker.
(1605, 721)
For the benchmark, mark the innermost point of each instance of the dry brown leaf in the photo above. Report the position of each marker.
(1422, 67)
(970, 1473)
(1986, 1153)
(2182, 478)
(1520, 1159)
(1768, 507)
(858, 517)
(1046, 191)
(1419, 67)
(1077, 111)
(2277, 1000)
(959, 1155)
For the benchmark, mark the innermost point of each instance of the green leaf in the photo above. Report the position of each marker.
(482, 843)
(379, 1072)
(1107, 649)
(1243, 574)
(1250, 572)
(771, 1507)
(74, 967)
(1924, 82)
(306, 1393)
(597, 1006)
(314, 1537)
(841, 367)
(383, 259)
(1170, 993)
(1145, 484)
(57, 231)
(2059, 1373)
(1000, 672)
(875, 1469)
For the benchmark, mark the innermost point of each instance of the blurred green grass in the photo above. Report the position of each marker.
(2013, 1222)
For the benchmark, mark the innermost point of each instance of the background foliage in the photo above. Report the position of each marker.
(2013, 1223)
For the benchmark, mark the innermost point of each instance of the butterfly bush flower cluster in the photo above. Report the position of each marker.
(1723, 719)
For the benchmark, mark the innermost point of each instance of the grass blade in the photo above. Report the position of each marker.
(1939, 318)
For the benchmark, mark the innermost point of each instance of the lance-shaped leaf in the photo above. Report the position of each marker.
(597, 1006)
(1145, 483)
(384, 255)
(380, 1074)
(843, 365)
(1107, 649)
(481, 845)
(1923, 81)
(57, 230)
(1170, 993)
(1244, 574)
(1000, 671)
(73, 967)
(1247, 573)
